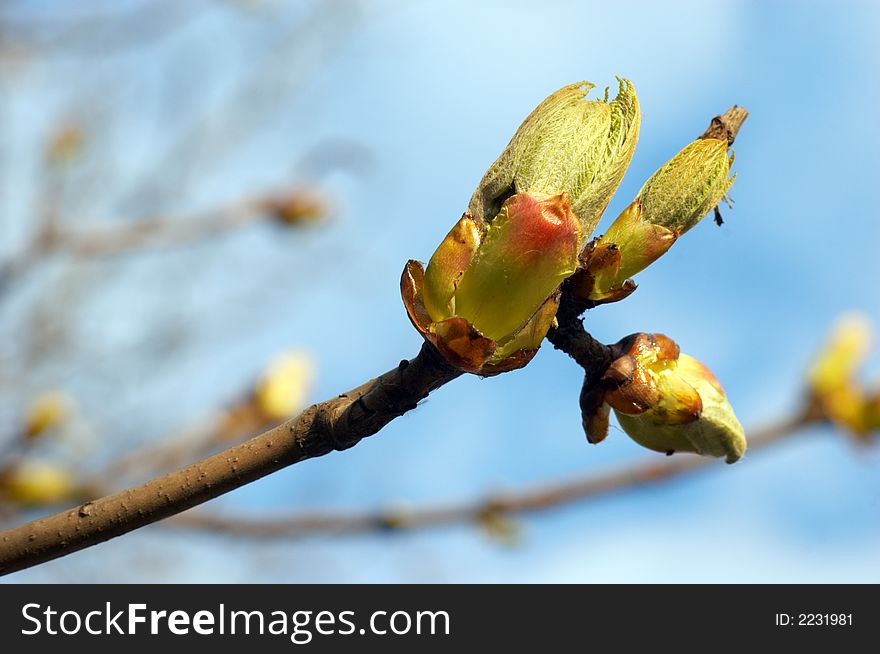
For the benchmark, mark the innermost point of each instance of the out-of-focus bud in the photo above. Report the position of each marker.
(33, 483)
(46, 412)
(843, 354)
(566, 145)
(832, 379)
(489, 294)
(284, 387)
(65, 145)
(667, 401)
(499, 527)
(671, 202)
(300, 207)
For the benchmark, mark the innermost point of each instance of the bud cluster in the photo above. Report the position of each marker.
(491, 291)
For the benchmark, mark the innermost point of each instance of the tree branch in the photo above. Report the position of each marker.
(335, 424)
(569, 336)
(539, 498)
(331, 425)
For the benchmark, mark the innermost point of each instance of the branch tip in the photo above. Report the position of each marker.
(727, 125)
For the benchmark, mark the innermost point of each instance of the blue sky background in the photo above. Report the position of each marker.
(433, 90)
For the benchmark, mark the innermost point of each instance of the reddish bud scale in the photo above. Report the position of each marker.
(490, 293)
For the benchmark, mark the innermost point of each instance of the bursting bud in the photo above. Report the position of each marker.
(665, 401)
(567, 144)
(491, 290)
(489, 294)
(671, 202)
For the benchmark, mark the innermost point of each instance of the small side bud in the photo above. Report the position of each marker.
(630, 245)
(672, 201)
(664, 400)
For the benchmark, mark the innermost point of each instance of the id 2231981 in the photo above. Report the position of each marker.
(814, 619)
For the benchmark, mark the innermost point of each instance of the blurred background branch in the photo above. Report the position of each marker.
(296, 207)
(491, 513)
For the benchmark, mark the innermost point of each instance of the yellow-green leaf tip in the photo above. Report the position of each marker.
(568, 144)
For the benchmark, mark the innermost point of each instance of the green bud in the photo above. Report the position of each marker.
(688, 186)
(529, 250)
(671, 202)
(566, 145)
(670, 402)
